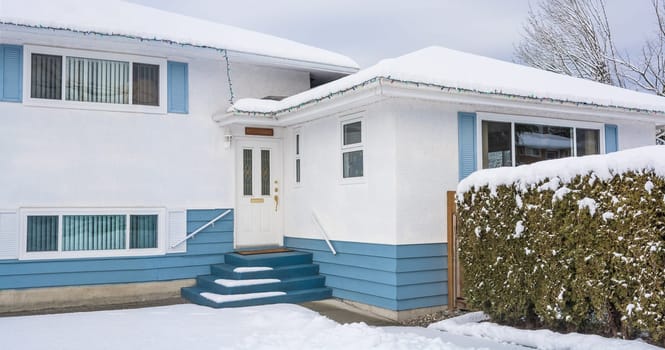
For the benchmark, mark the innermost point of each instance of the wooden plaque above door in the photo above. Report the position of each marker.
(259, 131)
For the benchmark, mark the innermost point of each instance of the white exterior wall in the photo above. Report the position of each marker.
(358, 211)
(427, 168)
(57, 157)
(412, 149)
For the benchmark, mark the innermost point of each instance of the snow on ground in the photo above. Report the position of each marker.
(186, 326)
(539, 339)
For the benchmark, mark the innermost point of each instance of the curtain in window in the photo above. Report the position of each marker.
(143, 231)
(92, 80)
(46, 76)
(42, 233)
(145, 84)
(93, 232)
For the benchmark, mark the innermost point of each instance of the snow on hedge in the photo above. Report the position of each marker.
(561, 171)
(120, 18)
(446, 68)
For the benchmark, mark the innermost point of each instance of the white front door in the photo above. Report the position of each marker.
(258, 193)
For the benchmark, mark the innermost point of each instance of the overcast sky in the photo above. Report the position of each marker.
(369, 30)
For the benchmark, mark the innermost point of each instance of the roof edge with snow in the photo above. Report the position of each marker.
(258, 107)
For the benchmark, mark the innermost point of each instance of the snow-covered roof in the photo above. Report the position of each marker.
(120, 18)
(456, 71)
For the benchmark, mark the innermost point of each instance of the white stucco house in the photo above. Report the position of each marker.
(127, 129)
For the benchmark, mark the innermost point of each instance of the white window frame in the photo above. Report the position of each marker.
(28, 50)
(297, 154)
(516, 119)
(350, 119)
(127, 252)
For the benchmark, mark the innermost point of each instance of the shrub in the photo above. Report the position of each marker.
(572, 245)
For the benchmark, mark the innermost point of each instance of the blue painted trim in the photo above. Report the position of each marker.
(205, 249)
(394, 277)
(468, 154)
(11, 73)
(611, 138)
(178, 87)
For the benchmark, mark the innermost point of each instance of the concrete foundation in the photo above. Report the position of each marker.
(94, 296)
(398, 316)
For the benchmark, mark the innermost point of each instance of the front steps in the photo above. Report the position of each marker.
(246, 280)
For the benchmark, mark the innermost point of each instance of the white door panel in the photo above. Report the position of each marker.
(258, 184)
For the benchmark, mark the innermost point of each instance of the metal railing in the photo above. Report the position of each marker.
(323, 233)
(195, 232)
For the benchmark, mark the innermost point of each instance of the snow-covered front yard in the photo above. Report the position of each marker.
(281, 326)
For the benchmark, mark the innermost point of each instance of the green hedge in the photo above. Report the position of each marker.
(585, 254)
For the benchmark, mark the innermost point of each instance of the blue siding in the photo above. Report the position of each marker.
(466, 124)
(206, 248)
(178, 87)
(11, 73)
(395, 277)
(611, 138)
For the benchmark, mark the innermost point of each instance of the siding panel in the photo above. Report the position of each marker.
(207, 248)
(395, 277)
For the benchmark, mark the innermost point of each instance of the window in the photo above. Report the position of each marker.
(97, 80)
(69, 233)
(508, 141)
(298, 156)
(352, 149)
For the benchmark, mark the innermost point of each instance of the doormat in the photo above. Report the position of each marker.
(264, 251)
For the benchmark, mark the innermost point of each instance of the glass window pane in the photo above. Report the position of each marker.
(93, 80)
(352, 133)
(265, 172)
(145, 84)
(297, 170)
(297, 144)
(588, 142)
(247, 172)
(46, 76)
(534, 143)
(93, 232)
(42, 233)
(496, 145)
(352, 164)
(142, 231)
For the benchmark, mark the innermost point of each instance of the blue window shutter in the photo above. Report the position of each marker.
(11, 73)
(466, 124)
(611, 138)
(178, 87)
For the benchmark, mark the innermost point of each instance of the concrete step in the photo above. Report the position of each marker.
(193, 294)
(281, 272)
(207, 282)
(271, 260)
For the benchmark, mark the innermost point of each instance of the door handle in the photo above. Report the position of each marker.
(276, 198)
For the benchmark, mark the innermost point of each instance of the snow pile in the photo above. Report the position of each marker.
(249, 282)
(538, 339)
(121, 18)
(447, 69)
(563, 170)
(252, 269)
(225, 298)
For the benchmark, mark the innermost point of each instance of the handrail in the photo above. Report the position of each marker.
(323, 232)
(201, 228)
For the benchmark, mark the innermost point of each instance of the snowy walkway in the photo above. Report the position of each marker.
(189, 326)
